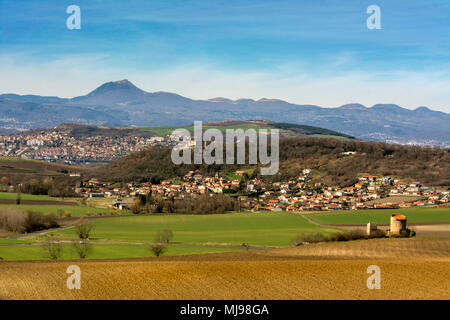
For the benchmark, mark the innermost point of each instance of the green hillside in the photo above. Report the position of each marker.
(286, 129)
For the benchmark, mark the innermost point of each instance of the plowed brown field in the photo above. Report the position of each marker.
(410, 269)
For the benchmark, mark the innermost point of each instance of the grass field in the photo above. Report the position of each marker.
(75, 211)
(130, 236)
(327, 136)
(262, 228)
(163, 131)
(106, 251)
(9, 241)
(24, 196)
(72, 205)
(414, 214)
(418, 273)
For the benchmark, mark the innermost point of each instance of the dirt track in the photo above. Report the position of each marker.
(410, 269)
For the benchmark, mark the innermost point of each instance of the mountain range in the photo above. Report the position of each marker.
(120, 103)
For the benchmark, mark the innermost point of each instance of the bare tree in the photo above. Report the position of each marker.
(158, 249)
(13, 220)
(82, 249)
(52, 248)
(164, 236)
(84, 228)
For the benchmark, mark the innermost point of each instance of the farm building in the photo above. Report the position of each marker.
(96, 195)
(398, 225)
(122, 204)
(372, 228)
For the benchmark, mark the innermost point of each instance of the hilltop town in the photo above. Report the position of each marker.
(56, 146)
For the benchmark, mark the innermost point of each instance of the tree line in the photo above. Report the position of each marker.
(202, 204)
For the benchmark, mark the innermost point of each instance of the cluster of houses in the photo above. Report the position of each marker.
(55, 146)
(370, 192)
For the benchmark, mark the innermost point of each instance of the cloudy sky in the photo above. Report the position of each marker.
(308, 52)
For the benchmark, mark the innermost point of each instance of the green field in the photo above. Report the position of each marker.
(414, 214)
(328, 136)
(163, 131)
(75, 211)
(121, 237)
(106, 251)
(130, 236)
(24, 196)
(10, 241)
(262, 228)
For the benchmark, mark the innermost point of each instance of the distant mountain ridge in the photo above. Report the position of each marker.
(122, 103)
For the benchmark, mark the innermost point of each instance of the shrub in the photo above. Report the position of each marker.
(67, 214)
(347, 236)
(164, 236)
(60, 213)
(309, 238)
(52, 249)
(158, 249)
(82, 249)
(83, 229)
(15, 220)
(12, 220)
(136, 207)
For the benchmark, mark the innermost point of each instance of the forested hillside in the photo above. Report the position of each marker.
(329, 158)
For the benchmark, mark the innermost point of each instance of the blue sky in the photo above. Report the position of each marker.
(308, 52)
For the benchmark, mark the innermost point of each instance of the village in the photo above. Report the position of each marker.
(370, 192)
(54, 146)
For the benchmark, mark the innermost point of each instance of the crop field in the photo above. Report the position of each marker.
(106, 251)
(24, 196)
(46, 204)
(290, 273)
(414, 215)
(74, 210)
(261, 228)
(130, 236)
